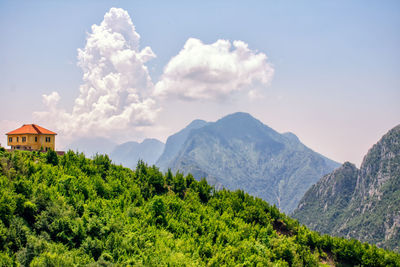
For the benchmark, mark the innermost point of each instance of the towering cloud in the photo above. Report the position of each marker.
(116, 88)
(214, 71)
(117, 94)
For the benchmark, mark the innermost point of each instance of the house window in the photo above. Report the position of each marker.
(10, 139)
(35, 138)
(17, 139)
(23, 139)
(48, 139)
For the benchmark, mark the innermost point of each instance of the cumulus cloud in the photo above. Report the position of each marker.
(214, 71)
(116, 89)
(117, 95)
(51, 100)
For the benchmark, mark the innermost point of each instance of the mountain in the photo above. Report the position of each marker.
(323, 202)
(73, 211)
(92, 145)
(175, 142)
(129, 153)
(240, 152)
(362, 204)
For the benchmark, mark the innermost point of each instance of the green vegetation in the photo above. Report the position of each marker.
(240, 152)
(71, 210)
(323, 204)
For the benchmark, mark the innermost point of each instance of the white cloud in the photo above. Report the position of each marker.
(214, 71)
(51, 100)
(118, 99)
(116, 89)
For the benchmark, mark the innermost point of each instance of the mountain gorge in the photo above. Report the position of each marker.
(240, 152)
(362, 204)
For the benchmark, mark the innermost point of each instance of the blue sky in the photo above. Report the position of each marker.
(335, 84)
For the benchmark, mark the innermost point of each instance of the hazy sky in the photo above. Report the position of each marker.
(328, 71)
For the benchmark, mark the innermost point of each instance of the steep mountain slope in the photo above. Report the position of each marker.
(175, 142)
(129, 153)
(362, 204)
(239, 152)
(322, 203)
(74, 211)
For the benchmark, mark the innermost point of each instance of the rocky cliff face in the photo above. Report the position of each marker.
(321, 205)
(240, 152)
(362, 204)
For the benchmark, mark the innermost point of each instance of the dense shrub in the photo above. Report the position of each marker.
(70, 210)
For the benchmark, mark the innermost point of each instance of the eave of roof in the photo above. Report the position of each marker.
(31, 129)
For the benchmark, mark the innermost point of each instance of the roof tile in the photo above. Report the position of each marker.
(31, 129)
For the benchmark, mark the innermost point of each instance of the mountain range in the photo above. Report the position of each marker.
(359, 203)
(240, 152)
(235, 152)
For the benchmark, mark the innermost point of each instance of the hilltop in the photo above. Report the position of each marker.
(71, 210)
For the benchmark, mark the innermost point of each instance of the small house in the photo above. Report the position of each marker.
(31, 137)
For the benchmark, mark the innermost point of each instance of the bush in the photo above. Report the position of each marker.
(51, 157)
(83, 212)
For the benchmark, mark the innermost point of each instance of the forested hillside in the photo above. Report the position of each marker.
(71, 210)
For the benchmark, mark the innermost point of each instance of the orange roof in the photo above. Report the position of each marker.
(31, 129)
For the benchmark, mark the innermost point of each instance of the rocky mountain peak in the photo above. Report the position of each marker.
(362, 204)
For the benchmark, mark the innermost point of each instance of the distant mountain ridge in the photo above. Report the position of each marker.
(126, 154)
(92, 145)
(360, 203)
(238, 151)
(129, 153)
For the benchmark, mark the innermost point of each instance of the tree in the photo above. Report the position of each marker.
(204, 190)
(51, 157)
(169, 177)
(156, 180)
(158, 211)
(179, 184)
(189, 180)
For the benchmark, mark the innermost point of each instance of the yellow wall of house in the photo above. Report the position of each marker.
(30, 141)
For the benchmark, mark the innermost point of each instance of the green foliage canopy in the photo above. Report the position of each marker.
(71, 210)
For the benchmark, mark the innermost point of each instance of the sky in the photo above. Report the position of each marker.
(328, 71)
